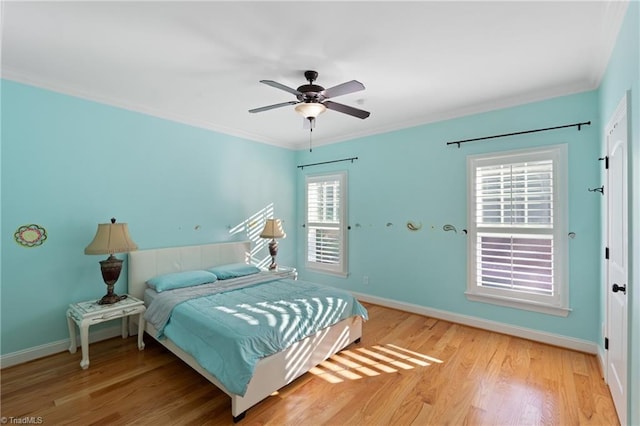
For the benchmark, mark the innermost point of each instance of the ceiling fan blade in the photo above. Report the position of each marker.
(268, 107)
(343, 89)
(280, 86)
(346, 109)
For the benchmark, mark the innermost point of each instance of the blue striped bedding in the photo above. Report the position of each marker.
(228, 332)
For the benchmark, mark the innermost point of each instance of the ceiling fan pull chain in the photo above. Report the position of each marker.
(310, 134)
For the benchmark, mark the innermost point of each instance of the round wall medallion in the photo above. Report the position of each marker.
(30, 235)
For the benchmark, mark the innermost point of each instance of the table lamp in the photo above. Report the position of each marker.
(273, 229)
(111, 238)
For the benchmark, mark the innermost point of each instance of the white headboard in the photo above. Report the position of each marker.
(146, 264)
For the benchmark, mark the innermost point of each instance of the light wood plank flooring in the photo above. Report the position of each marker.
(407, 370)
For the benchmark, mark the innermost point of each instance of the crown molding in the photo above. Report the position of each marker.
(67, 90)
(492, 105)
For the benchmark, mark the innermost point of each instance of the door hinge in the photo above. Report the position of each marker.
(606, 343)
(606, 252)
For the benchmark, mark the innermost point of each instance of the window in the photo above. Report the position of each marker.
(517, 242)
(326, 205)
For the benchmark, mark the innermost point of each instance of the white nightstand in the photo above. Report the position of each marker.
(285, 272)
(86, 314)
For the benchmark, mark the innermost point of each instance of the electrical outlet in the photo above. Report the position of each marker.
(365, 280)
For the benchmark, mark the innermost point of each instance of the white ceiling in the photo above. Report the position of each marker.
(200, 62)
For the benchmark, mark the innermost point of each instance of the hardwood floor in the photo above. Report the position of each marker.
(407, 370)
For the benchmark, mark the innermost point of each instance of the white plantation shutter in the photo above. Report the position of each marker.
(517, 218)
(516, 262)
(516, 198)
(325, 222)
(515, 194)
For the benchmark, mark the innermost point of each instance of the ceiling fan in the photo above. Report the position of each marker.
(312, 100)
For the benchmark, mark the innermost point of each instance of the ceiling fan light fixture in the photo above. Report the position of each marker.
(310, 109)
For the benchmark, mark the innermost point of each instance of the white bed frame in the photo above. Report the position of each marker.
(272, 372)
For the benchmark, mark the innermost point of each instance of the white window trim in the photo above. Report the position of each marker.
(558, 303)
(340, 269)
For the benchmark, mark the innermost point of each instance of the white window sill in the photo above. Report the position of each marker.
(519, 304)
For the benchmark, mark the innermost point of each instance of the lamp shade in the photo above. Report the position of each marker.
(273, 229)
(310, 109)
(111, 238)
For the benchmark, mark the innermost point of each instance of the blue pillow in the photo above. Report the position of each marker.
(233, 270)
(180, 280)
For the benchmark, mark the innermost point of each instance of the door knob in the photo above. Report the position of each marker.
(616, 288)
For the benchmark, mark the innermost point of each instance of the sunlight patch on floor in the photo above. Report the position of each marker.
(354, 364)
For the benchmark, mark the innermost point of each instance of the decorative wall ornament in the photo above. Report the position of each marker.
(414, 226)
(450, 228)
(30, 235)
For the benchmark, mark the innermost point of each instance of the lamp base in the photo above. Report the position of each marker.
(110, 268)
(109, 299)
(273, 251)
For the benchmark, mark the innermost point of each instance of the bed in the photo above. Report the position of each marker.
(271, 372)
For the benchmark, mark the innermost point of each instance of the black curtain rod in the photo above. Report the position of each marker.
(327, 162)
(578, 125)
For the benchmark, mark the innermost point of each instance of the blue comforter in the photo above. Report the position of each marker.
(228, 332)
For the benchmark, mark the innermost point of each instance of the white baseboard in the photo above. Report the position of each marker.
(47, 349)
(512, 330)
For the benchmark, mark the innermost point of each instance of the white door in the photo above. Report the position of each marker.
(617, 266)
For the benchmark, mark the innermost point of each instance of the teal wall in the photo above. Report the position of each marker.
(69, 164)
(412, 175)
(622, 75)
